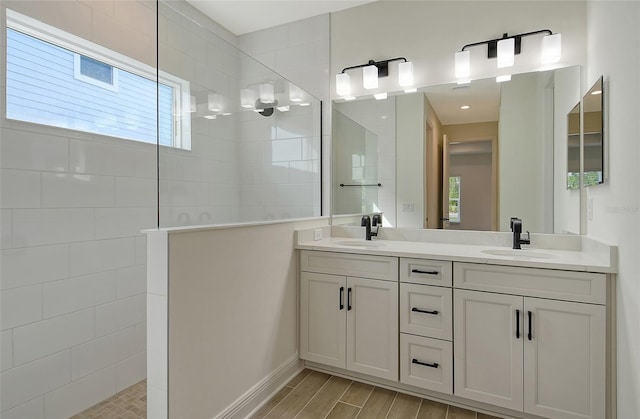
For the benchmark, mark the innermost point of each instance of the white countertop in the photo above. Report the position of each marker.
(593, 260)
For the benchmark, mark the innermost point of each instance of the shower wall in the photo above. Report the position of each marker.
(73, 261)
(242, 165)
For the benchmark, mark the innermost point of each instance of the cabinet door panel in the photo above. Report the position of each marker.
(322, 321)
(565, 359)
(487, 353)
(372, 328)
(426, 311)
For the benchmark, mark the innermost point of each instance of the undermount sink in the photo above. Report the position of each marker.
(360, 243)
(519, 253)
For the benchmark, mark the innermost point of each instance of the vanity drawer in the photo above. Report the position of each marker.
(425, 271)
(426, 310)
(426, 363)
(585, 287)
(349, 264)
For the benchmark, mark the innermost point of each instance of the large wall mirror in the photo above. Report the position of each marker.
(464, 157)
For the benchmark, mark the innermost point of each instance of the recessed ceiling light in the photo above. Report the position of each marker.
(596, 92)
(210, 116)
(465, 107)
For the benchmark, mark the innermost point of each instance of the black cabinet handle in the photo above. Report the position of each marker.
(417, 310)
(529, 335)
(349, 299)
(517, 324)
(415, 361)
(341, 303)
(418, 271)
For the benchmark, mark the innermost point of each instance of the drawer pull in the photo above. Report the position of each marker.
(341, 302)
(415, 361)
(517, 324)
(417, 310)
(349, 299)
(418, 271)
(529, 335)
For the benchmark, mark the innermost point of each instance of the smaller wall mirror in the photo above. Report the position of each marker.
(573, 148)
(593, 115)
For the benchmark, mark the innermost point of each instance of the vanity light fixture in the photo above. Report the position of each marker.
(267, 94)
(506, 48)
(215, 102)
(247, 98)
(371, 72)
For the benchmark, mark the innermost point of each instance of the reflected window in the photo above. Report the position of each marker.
(58, 79)
(454, 199)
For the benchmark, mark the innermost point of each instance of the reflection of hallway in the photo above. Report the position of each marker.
(472, 163)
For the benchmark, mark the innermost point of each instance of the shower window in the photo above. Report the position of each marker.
(58, 79)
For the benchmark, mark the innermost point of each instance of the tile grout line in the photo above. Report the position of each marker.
(365, 402)
(313, 397)
(292, 388)
(446, 415)
(395, 396)
(338, 400)
(419, 407)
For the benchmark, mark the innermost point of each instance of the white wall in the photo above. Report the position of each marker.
(73, 259)
(521, 150)
(616, 213)
(411, 133)
(566, 215)
(428, 33)
(233, 330)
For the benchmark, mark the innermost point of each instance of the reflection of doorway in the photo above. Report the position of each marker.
(470, 184)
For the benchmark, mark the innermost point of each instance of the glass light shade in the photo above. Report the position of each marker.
(551, 48)
(247, 98)
(463, 64)
(506, 49)
(370, 77)
(215, 102)
(405, 74)
(192, 107)
(343, 84)
(295, 93)
(267, 94)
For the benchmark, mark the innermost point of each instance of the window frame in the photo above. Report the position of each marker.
(80, 46)
(458, 220)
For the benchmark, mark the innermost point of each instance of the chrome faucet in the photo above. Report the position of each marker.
(367, 223)
(516, 227)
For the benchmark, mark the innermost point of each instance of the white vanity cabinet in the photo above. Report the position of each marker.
(426, 350)
(531, 340)
(349, 312)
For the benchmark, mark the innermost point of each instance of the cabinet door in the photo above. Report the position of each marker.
(487, 348)
(564, 359)
(322, 318)
(372, 327)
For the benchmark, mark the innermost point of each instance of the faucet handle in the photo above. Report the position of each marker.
(376, 220)
(527, 240)
(365, 221)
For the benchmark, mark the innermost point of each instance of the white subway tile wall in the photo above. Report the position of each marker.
(72, 257)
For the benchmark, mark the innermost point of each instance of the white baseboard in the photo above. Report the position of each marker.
(257, 395)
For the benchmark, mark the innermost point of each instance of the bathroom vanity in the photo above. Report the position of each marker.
(522, 333)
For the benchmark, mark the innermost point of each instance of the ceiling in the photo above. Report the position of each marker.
(244, 16)
(483, 97)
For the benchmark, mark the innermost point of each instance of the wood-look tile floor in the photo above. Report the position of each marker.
(315, 395)
(130, 403)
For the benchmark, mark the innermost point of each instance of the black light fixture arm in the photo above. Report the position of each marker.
(383, 66)
(493, 43)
